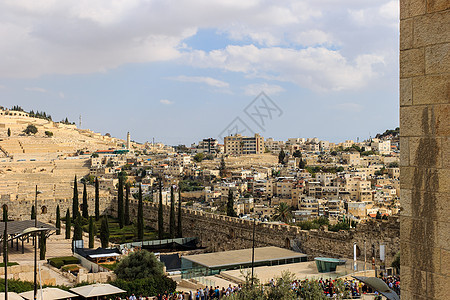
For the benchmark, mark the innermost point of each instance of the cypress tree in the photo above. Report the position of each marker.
(230, 205)
(91, 232)
(77, 230)
(68, 224)
(5, 213)
(127, 204)
(180, 230)
(9, 131)
(97, 200)
(140, 216)
(172, 214)
(33, 213)
(42, 245)
(75, 204)
(85, 202)
(120, 215)
(104, 232)
(160, 213)
(281, 157)
(58, 221)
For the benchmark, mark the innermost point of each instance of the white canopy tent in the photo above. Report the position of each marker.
(97, 290)
(11, 296)
(48, 294)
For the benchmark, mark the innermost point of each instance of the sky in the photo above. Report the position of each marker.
(178, 71)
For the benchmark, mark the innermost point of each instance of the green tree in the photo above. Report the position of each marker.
(120, 215)
(91, 232)
(9, 131)
(5, 212)
(302, 164)
(31, 129)
(297, 153)
(42, 245)
(199, 157)
(140, 216)
(139, 264)
(281, 157)
(283, 213)
(33, 213)
(172, 214)
(222, 167)
(58, 221)
(75, 204)
(48, 133)
(104, 232)
(85, 202)
(127, 204)
(160, 213)
(230, 205)
(97, 200)
(68, 224)
(77, 229)
(179, 227)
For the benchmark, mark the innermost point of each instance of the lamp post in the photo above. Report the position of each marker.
(5, 250)
(253, 248)
(35, 243)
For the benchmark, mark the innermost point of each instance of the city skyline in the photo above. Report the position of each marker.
(183, 73)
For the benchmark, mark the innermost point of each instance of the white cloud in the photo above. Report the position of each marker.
(199, 79)
(320, 44)
(316, 68)
(257, 88)
(166, 102)
(36, 89)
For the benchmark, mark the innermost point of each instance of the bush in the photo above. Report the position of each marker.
(30, 129)
(138, 265)
(71, 268)
(150, 286)
(58, 262)
(16, 286)
(48, 133)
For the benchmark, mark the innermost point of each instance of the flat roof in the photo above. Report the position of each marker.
(17, 227)
(243, 256)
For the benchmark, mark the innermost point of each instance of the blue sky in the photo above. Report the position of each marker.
(179, 71)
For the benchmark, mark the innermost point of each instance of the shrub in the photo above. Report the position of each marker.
(138, 265)
(30, 129)
(48, 133)
(58, 262)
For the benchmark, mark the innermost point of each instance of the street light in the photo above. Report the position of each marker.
(35, 242)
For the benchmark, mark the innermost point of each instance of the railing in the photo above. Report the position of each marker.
(91, 266)
(180, 241)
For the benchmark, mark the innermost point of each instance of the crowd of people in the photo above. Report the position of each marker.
(352, 288)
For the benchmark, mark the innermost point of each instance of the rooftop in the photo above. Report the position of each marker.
(243, 256)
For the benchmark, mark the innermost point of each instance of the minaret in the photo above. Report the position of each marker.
(128, 141)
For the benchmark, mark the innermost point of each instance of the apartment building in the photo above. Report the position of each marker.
(243, 145)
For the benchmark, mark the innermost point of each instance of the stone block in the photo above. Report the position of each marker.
(404, 152)
(446, 152)
(431, 89)
(412, 63)
(437, 5)
(412, 120)
(406, 34)
(443, 235)
(431, 29)
(425, 152)
(445, 262)
(411, 8)
(406, 202)
(406, 177)
(437, 59)
(437, 286)
(406, 89)
(442, 117)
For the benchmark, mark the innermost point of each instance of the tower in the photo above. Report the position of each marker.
(128, 141)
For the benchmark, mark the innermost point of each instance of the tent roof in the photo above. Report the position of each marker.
(97, 289)
(17, 227)
(48, 294)
(379, 285)
(11, 296)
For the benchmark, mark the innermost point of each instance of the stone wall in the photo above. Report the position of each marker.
(425, 148)
(219, 233)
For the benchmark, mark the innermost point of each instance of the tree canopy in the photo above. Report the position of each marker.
(138, 265)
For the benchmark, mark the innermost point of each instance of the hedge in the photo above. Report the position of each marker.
(58, 262)
(150, 286)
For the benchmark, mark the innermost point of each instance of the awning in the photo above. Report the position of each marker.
(95, 290)
(48, 294)
(11, 296)
(378, 285)
(103, 255)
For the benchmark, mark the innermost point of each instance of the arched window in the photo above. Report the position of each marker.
(44, 210)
